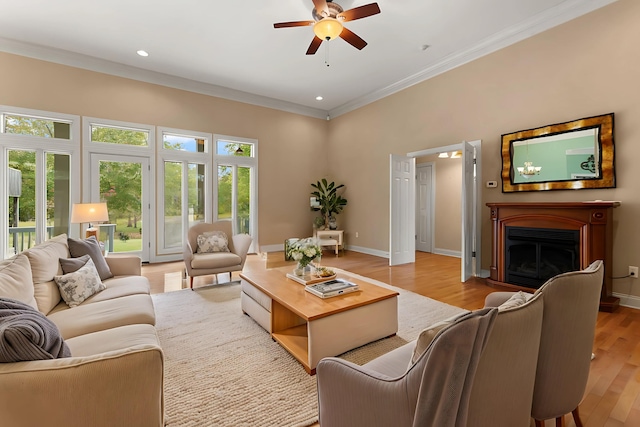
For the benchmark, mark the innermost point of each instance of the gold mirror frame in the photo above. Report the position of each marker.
(606, 170)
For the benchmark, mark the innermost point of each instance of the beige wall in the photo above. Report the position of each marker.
(448, 203)
(291, 148)
(586, 67)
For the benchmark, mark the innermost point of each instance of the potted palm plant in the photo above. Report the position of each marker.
(329, 201)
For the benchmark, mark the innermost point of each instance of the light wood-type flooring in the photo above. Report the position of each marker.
(612, 398)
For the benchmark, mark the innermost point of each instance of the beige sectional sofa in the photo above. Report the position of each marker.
(114, 376)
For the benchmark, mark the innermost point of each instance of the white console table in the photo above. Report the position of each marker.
(333, 238)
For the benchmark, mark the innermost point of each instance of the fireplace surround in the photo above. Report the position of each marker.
(532, 242)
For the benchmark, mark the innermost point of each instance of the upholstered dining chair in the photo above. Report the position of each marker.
(213, 260)
(428, 387)
(571, 302)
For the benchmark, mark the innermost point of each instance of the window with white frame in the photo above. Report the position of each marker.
(185, 196)
(236, 165)
(40, 157)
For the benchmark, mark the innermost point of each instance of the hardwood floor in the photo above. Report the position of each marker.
(612, 397)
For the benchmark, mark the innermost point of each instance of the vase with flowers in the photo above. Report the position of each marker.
(304, 251)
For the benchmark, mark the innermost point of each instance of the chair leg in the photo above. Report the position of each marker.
(560, 421)
(191, 282)
(576, 417)
(539, 423)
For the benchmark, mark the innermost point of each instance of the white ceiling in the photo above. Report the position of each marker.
(229, 48)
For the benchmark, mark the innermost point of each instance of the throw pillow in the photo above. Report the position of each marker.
(516, 300)
(69, 265)
(81, 284)
(426, 337)
(213, 241)
(27, 334)
(91, 247)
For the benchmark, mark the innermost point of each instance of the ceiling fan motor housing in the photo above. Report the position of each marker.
(334, 10)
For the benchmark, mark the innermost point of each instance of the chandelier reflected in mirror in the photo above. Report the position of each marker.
(529, 169)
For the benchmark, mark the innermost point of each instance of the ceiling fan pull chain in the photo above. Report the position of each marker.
(326, 54)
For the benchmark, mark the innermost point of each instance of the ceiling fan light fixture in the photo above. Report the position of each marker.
(327, 28)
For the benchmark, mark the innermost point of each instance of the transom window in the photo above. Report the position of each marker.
(18, 124)
(119, 135)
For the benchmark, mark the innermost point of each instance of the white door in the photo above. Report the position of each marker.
(402, 247)
(468, 210)
(424, 207)
(123, 183)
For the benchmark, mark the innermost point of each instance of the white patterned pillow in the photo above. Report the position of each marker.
(81, 284)
(212, 241)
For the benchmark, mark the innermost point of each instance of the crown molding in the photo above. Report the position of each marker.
(548, 19)
(91, 63)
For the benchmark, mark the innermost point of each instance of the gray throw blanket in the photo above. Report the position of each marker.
(27, 334)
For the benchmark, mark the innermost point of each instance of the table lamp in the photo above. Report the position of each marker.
(89, 212)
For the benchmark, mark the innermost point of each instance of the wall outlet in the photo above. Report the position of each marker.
(356, 234)
(633, 271)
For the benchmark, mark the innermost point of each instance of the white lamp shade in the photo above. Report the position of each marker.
(89, 212)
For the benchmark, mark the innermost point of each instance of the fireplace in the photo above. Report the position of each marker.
(532, 242)
(534, 255)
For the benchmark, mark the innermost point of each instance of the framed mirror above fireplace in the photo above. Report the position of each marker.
(566, 156)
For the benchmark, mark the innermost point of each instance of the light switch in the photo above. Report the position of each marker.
(492, 184)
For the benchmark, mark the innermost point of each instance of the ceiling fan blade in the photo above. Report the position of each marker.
(321, 6)
(293, 24)
(313, 47)
(352, 38)
(359, 12)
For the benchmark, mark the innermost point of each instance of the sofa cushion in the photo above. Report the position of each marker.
(44, 258)
(516, 300)
(44, 265)
(215, 260)
(79, 285)
(98, 316)
(212, 241)
(114, 339)
(117, 287)
(26, 334)
(16, 281)
(91, 247)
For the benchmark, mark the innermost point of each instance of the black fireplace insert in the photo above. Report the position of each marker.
(534, 255)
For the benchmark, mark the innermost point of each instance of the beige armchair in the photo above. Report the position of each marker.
(571, 302)
(392, 391)
(202, 264)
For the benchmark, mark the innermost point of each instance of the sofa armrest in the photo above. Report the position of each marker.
(341, 400)
(124, 265)
(123, 387)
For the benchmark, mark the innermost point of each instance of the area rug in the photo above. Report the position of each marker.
(222, 369)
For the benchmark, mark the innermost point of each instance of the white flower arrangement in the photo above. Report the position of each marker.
(304, 251)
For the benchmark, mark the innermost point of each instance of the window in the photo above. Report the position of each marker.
(37, 189)
(184, 169)
(118, 135)
(236, 183)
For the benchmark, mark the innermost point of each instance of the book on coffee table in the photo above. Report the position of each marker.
(309, 279)
(331, 288)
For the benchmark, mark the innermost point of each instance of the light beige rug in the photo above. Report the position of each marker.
(222, 369)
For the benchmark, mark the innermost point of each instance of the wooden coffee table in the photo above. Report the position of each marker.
(310, 327)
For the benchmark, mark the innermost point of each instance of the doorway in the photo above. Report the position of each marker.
(425, 202)
(122, 182)
(471, 197)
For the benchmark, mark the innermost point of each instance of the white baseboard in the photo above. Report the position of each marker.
(368, 251)
(447, 252)
(272, 248)
(631, 301)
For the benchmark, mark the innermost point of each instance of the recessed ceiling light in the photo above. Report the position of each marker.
(142, 53)
(319, 98)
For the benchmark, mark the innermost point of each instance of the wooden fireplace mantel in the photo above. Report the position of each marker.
(593, 220)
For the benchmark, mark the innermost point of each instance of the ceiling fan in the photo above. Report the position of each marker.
(327, 24)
